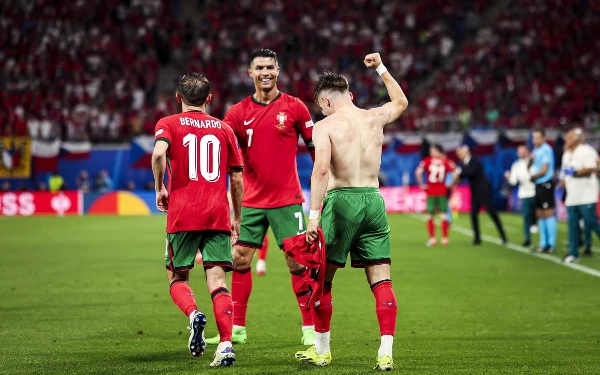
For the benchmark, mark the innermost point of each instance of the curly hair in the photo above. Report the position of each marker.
(193, 89)
(330, 81)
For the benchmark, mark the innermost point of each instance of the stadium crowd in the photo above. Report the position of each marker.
(78, 74)
(535, 64)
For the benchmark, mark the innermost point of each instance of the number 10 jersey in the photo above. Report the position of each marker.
(202, 150)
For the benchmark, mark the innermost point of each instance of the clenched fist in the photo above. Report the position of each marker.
(372, 60)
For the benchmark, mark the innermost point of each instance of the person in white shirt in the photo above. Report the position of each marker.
(519, 175)
(580, 163)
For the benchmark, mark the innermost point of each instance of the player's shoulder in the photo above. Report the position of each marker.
(290, 100)
(174, 118)
(241, 106)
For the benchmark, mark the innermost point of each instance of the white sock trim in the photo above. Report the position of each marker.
(322, 342)
(237, 327)
(387, 342)
(308, 327)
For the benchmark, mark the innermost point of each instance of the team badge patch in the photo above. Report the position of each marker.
(281, 117)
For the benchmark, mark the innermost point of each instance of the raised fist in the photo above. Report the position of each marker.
(372, 60)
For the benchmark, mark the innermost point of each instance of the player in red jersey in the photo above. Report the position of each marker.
(261, 263)
(436, 166)
(198, 151)
(267, 125)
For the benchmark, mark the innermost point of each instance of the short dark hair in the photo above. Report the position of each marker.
(438, 148)
(539, 130)
(263, 52)
(193, 88)
(330, 81)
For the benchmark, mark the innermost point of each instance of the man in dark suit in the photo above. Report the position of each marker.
(481, 192)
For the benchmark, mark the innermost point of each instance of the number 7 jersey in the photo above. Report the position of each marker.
(202, 150)
(268, 136)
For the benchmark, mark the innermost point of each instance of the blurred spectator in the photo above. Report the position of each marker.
(83, 182)
(103, 182)
(84, 75)
(41, 186)
(5, 186)
(520, 175)
(62, 64)
(130, 186)
(23, 187)
(149, 186)
(56, 182)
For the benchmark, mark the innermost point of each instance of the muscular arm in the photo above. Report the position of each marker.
(237, 193)
(159, 164)
(390, 111)
(320, 174)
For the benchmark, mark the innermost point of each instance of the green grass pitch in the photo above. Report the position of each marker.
(89, 295)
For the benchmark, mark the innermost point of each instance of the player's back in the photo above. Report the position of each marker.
(356, 144)
(202, 149)
(436, 168)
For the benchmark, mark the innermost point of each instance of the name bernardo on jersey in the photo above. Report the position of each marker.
(200, 124)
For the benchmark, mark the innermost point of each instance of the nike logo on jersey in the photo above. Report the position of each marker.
(248, 122)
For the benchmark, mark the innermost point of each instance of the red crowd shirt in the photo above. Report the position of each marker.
(202, 150)
(436, 169)
(268, 136)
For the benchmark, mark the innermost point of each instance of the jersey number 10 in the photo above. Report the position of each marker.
(208, 155)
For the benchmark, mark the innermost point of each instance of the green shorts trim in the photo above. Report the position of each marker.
(440, 202)
(181, 249)
(354, 222)
(286, 221)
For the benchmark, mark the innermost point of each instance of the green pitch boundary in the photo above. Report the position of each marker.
(469, 232)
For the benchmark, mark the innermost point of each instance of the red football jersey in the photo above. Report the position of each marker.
(436, 169)
(202, 149)
(268, 136)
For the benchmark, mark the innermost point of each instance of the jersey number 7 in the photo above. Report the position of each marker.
(210, 157)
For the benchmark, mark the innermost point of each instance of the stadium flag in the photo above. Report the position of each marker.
(45, 155)
(482, 142)
(407, 143)
(141, 151)
(15, 153)
(513, 137)
(75, 150)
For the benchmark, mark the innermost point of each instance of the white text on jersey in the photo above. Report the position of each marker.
(202, 124)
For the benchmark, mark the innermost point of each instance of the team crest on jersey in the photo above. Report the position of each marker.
(281, 117)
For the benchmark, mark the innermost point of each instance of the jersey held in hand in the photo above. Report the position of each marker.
(202, 150)
(268, 136)
(436, 169)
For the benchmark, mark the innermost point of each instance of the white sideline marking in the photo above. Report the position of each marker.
(519, 248)
(507, 228)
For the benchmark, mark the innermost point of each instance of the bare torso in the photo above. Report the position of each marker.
(356, 140)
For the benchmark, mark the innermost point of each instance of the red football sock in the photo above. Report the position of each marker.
(223, 309)
(262, 253)
(322, 313)
(445, 228)
(301, 290)
(431, 228)
(241, 287)
(386, 307)
(183, 296)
